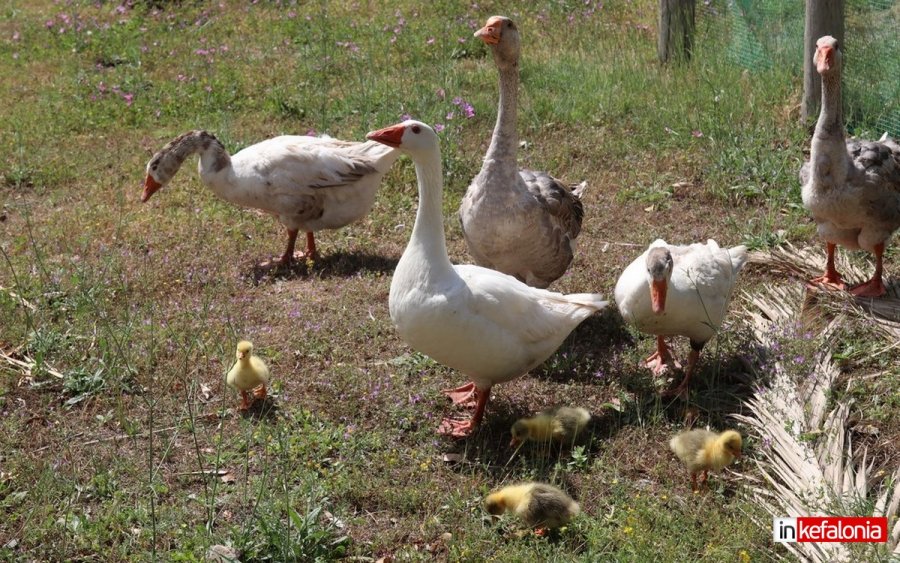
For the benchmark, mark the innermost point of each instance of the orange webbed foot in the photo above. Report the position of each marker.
(833, 283)
(872, 288)
(464, 395)
(456, 428)
(660, 364)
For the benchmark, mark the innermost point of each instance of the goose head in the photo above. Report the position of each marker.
(164, 164)
(659, 270)
(731, 443)
(828, 57)
(502, 36)
(244, 351)
(412, 137)
(161, 168)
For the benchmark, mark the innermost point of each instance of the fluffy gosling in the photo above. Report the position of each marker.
(248, 373)
(539, 505)
(702, 450)
(561, 424)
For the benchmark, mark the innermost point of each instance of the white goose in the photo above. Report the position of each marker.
(504, 207)
(851, 188)
(309, 183)
(679, 290)
(486, 324)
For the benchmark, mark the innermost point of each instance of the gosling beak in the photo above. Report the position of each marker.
(658, 290)
(737, 454)
(490, 33)
(514, 443)
(241, 355)
(391, 136)
(150, 187)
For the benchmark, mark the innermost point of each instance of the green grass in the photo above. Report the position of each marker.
(136, 452)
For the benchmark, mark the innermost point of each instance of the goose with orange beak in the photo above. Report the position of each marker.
(679, 291)
(851, 187)
(487, 325)
(514, 220)
(308, 183)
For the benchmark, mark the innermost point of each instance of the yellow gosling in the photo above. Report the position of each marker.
(539, 505)
(561, 424)
(248, 373)
(702, 450)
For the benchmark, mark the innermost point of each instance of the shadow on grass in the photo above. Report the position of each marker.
(262, 409)
(337, 264)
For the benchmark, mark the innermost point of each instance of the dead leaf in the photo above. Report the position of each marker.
(205, 392)
(452, 458)
(331, 518)
(228, 477)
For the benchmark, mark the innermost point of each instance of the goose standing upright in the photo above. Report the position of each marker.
(486, 324)
(519, 222)
(679, 290)
(851, 188)
(309, 183)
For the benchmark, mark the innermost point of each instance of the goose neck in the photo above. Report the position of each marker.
(505, 139)
(427, 242)
(831, 118)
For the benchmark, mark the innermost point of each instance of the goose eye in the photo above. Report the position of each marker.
(416, 129)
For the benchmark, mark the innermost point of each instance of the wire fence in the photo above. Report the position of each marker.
(770, 32)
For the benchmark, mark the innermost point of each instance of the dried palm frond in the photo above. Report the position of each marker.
(807, 263)
(807, 458)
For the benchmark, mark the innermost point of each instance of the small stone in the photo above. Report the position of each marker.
(222, 554)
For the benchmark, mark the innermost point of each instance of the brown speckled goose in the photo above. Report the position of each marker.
(309, 183)
(520, 222)
(851, 188)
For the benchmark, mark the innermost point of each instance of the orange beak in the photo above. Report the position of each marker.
(241, 355)
(490, 33)
(824, 58)
(514, 443)
(391, 136)
(150, 187)
(658, 290)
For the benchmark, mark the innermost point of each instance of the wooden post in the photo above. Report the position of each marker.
(823, 17)
(676, 29)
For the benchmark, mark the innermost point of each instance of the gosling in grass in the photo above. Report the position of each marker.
(539, 505)
(702, 450)
(248, 374)
(561, 424)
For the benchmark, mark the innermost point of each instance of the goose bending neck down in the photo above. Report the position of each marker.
(309, 183)
(488, 325)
